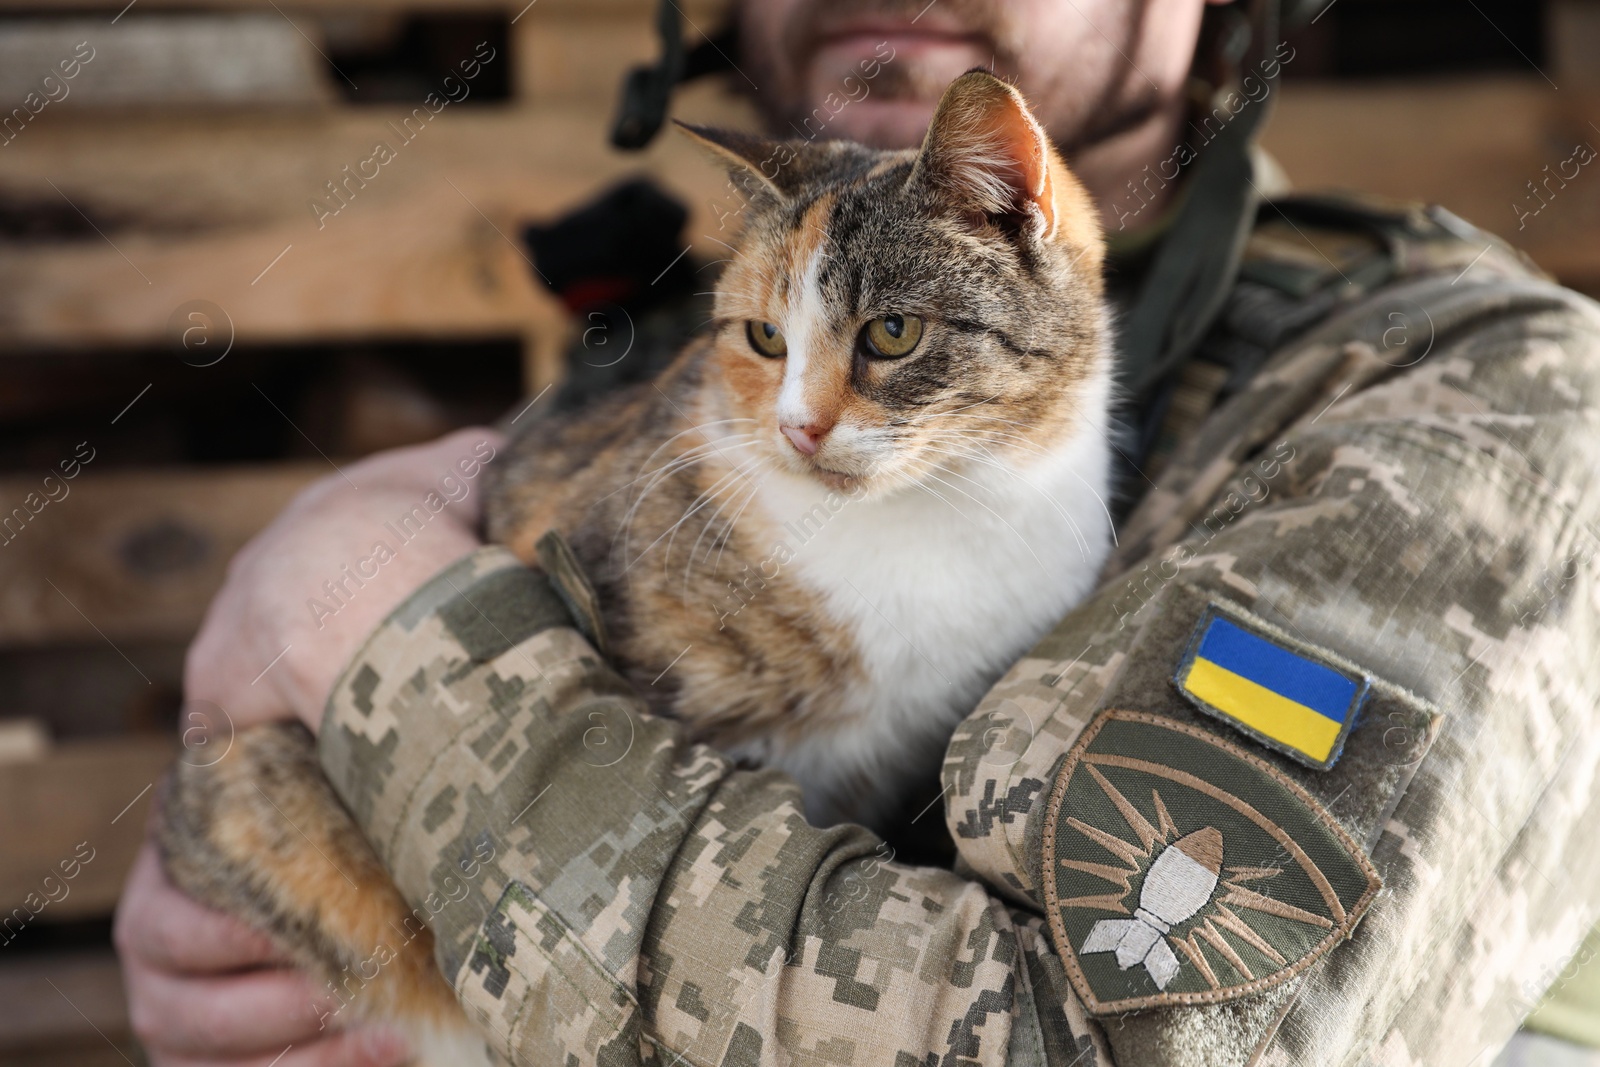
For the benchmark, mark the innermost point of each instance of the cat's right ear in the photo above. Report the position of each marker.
(986, 153)
(756, 164)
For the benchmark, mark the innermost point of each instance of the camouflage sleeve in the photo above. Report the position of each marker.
(1410, 491)
(642, 900)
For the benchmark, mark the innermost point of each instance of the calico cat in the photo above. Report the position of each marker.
(877, 479)
(819, 536)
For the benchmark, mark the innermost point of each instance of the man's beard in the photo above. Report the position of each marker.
(1126, 101)
(1116, 111)
(807, 25)
(1114, 118)
(897, 80)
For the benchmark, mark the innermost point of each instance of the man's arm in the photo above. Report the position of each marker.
(1413, 489)
(203, 988)
(648, 901)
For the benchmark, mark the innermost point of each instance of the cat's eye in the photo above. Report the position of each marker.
(766, 339)
(892, 336)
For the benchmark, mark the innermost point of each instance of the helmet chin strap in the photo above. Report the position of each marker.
(647, 90)
(1198, 259)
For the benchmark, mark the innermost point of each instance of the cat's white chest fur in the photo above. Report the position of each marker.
(943, 588)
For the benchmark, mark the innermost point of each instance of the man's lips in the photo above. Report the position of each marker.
(899, 34)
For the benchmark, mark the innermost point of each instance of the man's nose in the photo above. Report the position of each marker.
(806, 438)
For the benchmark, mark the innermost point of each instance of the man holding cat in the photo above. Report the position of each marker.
(1415, 546)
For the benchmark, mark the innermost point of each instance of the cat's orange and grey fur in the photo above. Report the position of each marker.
(822, 533)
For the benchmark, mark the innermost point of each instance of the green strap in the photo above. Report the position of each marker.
(1198, 262)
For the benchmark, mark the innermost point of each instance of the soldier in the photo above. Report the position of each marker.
(1309, 779)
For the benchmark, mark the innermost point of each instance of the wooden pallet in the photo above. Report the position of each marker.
(66, 1010)
(1472, 145)
(133, 555)
(214, 204)
(430, 249)
(71, 821)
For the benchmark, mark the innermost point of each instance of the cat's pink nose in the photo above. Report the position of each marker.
(806, 438)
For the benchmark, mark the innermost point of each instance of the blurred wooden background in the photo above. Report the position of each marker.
(174, 179)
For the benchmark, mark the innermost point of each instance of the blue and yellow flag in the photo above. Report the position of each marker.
(1292, 700)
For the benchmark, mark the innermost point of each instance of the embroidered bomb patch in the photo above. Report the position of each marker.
(1181, 869)
(1289, 699)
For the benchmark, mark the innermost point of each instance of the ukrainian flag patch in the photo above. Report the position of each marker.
(1282, 694)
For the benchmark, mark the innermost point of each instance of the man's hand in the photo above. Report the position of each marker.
(323, 550)
(202, 987)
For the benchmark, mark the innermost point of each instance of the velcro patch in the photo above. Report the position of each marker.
(1181, 869)
(1283, 694)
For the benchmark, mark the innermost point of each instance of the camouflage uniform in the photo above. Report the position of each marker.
(1404, 490)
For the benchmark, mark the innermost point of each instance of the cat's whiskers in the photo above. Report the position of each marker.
(701, 501)
(710, 444)
(744, 475)
(693, 457)
(926, 488)
(698, 454)
(999, 439)
(920, 419)
(703, 455)
(728, 532)
(1104, 436)
(956, 488)
(699, 428)
(1098, 429)
(985, 417)
(1077, 531)
(981, 456)
(751, 476)
(713, 492)
(1025, 445)
(657, 475)
(1019, 443)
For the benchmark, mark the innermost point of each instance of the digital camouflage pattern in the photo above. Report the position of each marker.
(1409, 486)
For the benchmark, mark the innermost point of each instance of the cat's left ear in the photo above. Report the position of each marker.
(986, 151)
(756, 163)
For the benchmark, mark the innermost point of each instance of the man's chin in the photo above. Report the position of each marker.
(883, 123)
(892, 108)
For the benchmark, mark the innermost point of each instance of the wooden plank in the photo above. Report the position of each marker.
(23, 740)
(249, 58)
(55, 1002)
(78, 812)
(1572, 34)
(1472, 145)
(132, 556)
(560, 59)
(90, 690)
(219, 208)
(707, 14)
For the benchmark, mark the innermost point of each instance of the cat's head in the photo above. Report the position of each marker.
(888, 314)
